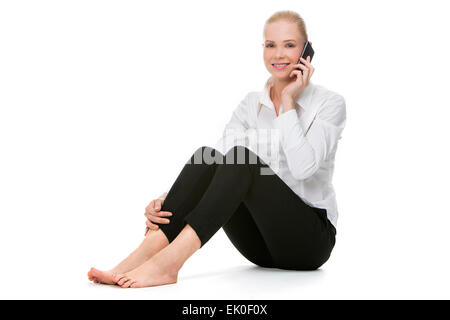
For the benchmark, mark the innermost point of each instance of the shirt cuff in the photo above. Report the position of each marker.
(291, 132)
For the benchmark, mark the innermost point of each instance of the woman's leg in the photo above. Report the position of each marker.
(153, 242)
(188, 189)
(164, 266)
(287, 227)
(183, 239)
(246, 237)
(182, 197)
(296, 235)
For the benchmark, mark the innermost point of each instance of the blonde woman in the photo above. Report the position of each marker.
(285, 219)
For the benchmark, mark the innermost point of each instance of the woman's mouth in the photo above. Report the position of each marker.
(280, 66)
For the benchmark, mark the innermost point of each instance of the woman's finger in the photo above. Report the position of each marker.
(307, 62)
(305, 76)
(311, 68)
(158, 214)
(163, 214)
(158, 219)
(152, 210)
(150, 206)
(301, 66)
(154, 226)
(150, 225)
(158, 204)
(295, 72)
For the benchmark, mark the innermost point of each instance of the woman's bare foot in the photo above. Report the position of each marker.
(99, 276)
(150, 273)
(163, 267)
(153, 242)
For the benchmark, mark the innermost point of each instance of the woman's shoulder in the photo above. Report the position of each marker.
(253, 96)
(251, 100)
(330, 104)
(321, 92)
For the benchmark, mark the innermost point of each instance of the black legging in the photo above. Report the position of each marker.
(265, 220)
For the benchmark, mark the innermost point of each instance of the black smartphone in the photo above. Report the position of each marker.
(307, 51)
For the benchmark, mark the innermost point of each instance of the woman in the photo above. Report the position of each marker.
(281, 220)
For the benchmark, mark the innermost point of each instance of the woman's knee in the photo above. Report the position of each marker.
(242, 155)
(236, 155)
(206, 154)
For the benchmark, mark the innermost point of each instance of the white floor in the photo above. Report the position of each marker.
(217, 271)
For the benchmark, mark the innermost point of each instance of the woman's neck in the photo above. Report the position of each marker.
(276, 89)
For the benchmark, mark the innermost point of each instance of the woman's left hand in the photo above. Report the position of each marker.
(293, 89)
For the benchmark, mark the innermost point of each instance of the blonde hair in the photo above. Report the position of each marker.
(289, 16)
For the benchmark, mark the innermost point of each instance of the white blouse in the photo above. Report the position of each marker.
(298, 145)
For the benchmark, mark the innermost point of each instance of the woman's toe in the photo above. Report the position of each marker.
(135, 284)
(122, 280)
(127, 283)
(116, 277)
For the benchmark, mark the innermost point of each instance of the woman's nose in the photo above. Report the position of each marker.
(279, 52)
(279, 55)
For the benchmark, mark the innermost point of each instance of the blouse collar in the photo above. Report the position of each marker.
(302, 100)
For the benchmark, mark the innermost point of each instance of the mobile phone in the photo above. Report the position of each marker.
(307, 51)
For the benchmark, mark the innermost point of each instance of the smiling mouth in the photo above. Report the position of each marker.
(280, 66)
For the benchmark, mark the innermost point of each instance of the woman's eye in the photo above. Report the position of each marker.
(290, 45)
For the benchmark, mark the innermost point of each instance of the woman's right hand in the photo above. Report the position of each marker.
(153, 213)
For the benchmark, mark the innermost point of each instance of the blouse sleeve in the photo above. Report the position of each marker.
(305, 152)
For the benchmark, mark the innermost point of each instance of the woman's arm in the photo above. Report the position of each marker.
(305, 152)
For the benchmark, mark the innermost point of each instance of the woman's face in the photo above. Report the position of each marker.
(283, 44)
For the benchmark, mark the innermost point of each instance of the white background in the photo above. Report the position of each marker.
(102, 103)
